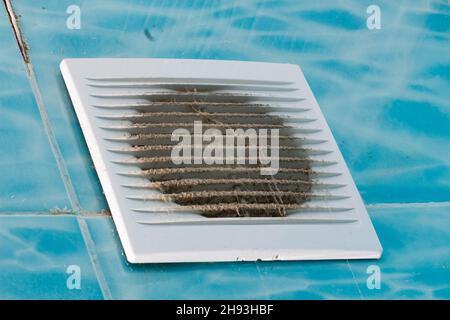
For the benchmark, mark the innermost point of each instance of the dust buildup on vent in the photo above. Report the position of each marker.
(228, 190)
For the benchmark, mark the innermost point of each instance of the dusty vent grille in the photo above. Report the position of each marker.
(128, 118)
(226, 190)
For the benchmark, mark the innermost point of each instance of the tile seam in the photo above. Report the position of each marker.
(400, 205)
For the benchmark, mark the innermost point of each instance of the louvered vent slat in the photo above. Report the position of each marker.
(147, 162)
(201, 105)
(129, 114)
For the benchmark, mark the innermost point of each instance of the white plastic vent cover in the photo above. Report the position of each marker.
(128, 108)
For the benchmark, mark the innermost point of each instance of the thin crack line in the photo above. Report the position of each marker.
(354, 280)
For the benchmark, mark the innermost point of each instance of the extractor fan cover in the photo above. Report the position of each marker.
(128, 108)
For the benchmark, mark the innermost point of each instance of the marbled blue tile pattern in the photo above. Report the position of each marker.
(416, 256)
(235, 280)
(384, 92)
(35, 253)
(415, 264)
(29, 176)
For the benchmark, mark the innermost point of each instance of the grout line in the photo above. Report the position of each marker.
(84, 230)
(52, 213)
(267, 295)
(70, 190)
(90, 246)
(32, 213)
(13, 20)
(409, 205)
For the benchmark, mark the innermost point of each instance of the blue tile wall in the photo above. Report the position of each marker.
(29, 177)
(416, 257)
(35, 253)
(235, 280)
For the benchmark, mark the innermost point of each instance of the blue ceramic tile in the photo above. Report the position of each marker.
(29, 177)
(384, 92)
(35, 254)
(236, 280)
(308, 280)
(416, 257)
